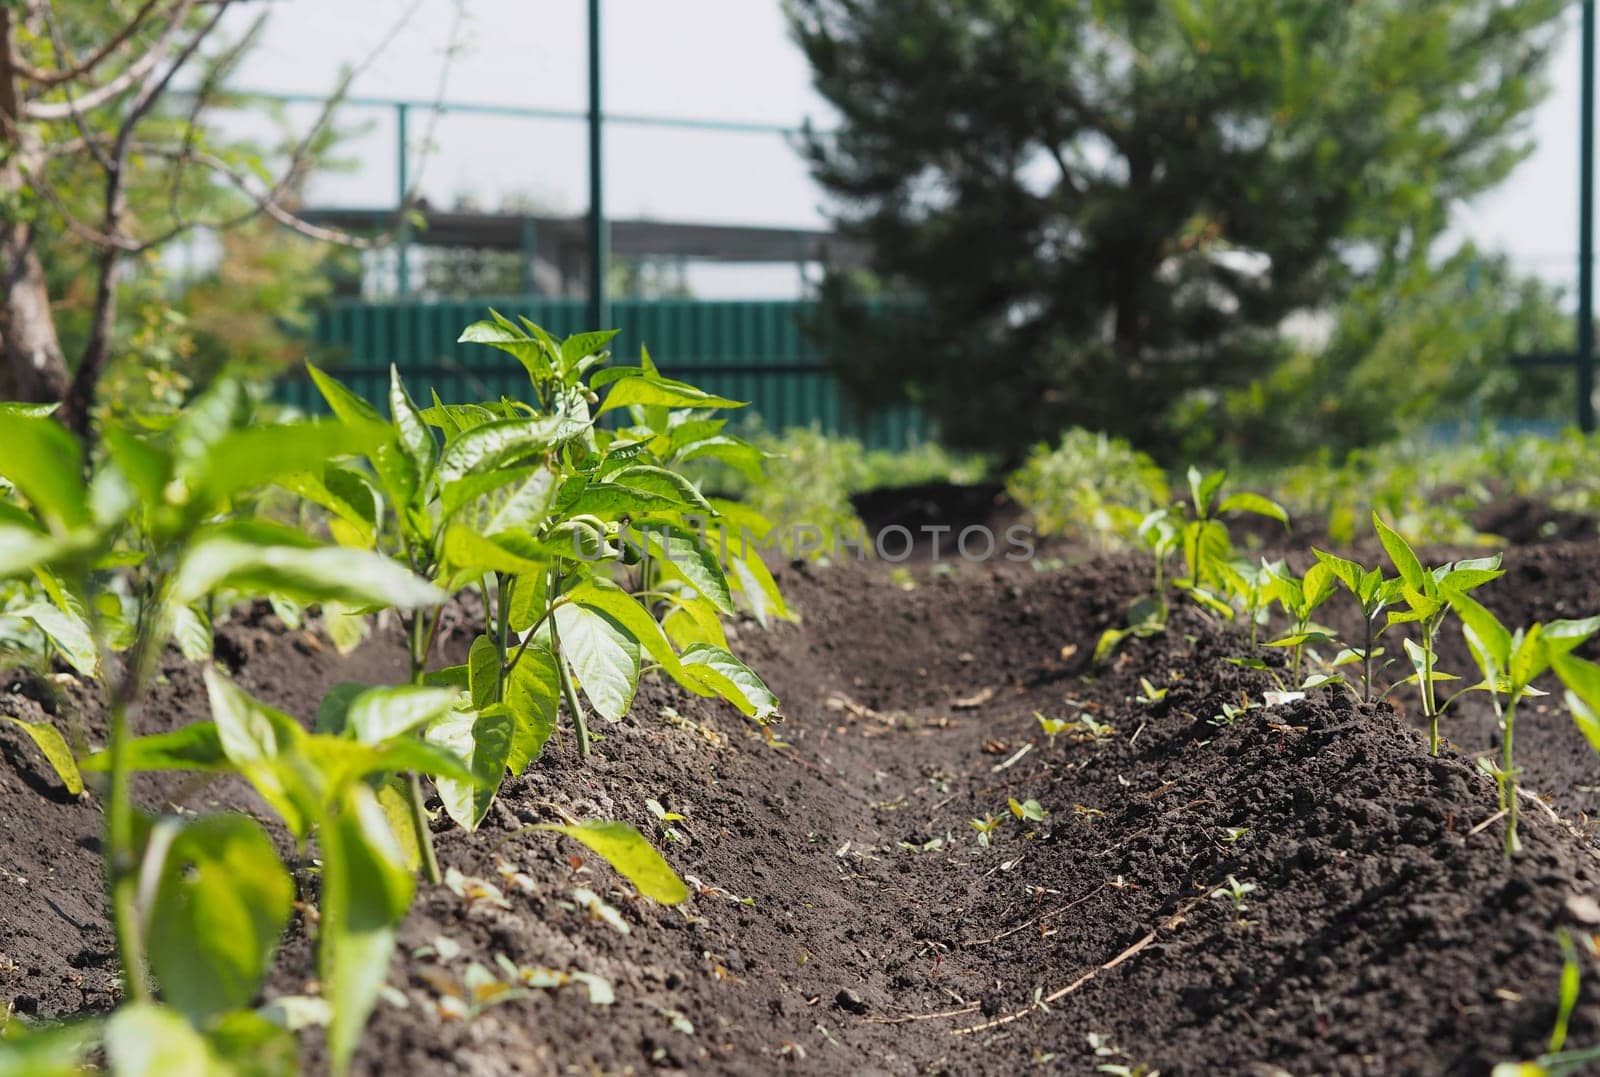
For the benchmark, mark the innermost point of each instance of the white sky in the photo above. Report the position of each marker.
(702, 59)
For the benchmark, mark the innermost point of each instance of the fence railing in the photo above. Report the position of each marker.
(747, 350)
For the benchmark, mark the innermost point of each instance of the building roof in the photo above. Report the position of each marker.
(566, 238)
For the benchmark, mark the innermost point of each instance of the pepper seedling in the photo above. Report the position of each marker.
(1374, 594)
(1426, 606)
(1510, 662)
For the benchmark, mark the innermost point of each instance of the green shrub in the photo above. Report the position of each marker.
(1090, 487)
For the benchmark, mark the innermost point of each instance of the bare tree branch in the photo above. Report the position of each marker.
(48, 77)
(129, 76)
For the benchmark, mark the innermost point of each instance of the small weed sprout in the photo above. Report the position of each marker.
(1027, 811)
(1051, 727)
(1149, 693)
(1231, 713)
(1087, 729)
(1235, 892)
(1234, 834)
(985, 828)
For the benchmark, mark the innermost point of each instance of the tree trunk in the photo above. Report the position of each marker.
(31, 365)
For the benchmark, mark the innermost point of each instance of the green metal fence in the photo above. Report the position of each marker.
(755, 351)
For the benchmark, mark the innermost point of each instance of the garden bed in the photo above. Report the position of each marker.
(846, 917)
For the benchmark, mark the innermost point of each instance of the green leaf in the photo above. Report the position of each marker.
(366, 890)
(68, 632)
(252, 1046)
(221, 903)
(347, 494)
(230, 557)
(48, 1050)
(484, 740)
(192, 633)
(1255, 503)
(1490, 641)
(533, 695)
(758, 590)
(44, 463)
(413, 432)
(525, 506)
(712, 670)
(505, 441)
(681, 552)
(582, 345)
(1563, 636)
(1202, 488)
(531, 353)
(630, 854)
(377, 714)
(146, 1040)
(603, 656)
(668, 485)
(603, 596)
(255, 738)
(1399, 551)
(466, 550)
(691, 621)
(147, 467)
(345, 405)
(1317, 586)
(653, 391)
(258, 455)
(528, 593)
(54, 749)
(196, 746)
(483, 671)
(1582, 679)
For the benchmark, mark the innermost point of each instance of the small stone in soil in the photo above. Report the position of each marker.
(849, 1000)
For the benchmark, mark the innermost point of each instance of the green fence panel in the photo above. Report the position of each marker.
(748, 350)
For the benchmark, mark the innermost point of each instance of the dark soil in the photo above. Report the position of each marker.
(934, 514)
(846, 917)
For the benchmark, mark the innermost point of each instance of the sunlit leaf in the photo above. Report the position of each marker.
(630, 854)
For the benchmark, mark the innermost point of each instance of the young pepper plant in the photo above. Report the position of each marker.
(1510, 661)
(1203, 535)
(196, 904)
(1422, 591)
(1374, 594)
(544, 510)
(1300, 598)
